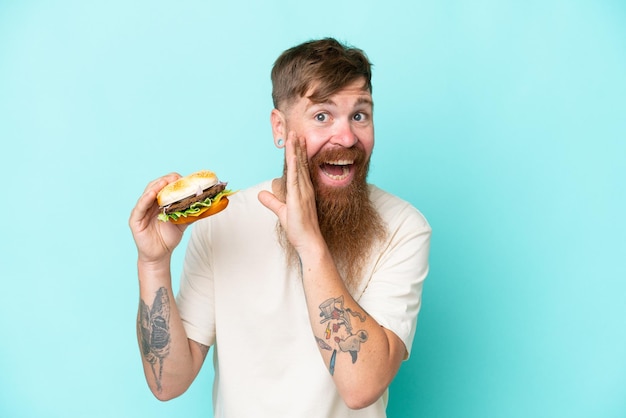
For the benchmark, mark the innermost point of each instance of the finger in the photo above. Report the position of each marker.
(303, 160)
(291, 160)
(161, 182)
(304, 174)
(147, 201)
(144, 205)
(270, 201)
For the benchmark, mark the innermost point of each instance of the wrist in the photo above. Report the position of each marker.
(314, 254)
(312, 247)
(154, 270)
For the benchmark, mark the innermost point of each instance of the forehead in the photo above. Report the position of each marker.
(353, 94)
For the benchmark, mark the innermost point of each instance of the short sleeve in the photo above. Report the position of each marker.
(393, 294)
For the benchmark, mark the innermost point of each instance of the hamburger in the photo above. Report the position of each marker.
(192, 197)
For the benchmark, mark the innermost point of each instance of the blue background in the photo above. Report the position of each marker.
(504, 122)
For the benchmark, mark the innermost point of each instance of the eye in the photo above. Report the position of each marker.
(359, 117)
(321, 117)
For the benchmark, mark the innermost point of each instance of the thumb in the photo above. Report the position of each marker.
(270, 201)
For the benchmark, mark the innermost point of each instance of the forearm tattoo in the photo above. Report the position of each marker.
(154, 326)
(339, 324)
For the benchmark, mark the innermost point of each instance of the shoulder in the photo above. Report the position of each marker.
(396, 211)
(249, 195)
(243, 210)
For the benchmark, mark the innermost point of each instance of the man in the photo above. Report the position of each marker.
(308, 286)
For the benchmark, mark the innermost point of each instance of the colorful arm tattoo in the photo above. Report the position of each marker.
(339, 323)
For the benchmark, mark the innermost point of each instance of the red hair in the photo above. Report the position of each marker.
(326, 64)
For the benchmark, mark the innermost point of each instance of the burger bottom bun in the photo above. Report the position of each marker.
(211, 210)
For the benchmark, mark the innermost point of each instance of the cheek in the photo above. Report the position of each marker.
(367, 142)
(314, 143)
(314, 138)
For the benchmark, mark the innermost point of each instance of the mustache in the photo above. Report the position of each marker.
(355, 154)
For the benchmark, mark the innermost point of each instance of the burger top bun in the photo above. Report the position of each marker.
(186, 186)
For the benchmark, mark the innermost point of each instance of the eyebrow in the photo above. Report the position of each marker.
(359, 101)
(365, 100)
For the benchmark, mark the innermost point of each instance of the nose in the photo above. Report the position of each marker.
(344, 135)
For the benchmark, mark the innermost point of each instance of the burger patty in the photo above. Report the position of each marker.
(183, 204)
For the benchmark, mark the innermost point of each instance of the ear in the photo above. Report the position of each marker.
(279, 124)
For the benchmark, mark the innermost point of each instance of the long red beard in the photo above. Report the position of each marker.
(348, 221)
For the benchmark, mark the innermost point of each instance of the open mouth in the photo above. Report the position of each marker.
(337, 170)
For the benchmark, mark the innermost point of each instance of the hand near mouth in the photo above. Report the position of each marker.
(298, 213)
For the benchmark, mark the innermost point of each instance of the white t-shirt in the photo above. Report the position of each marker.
(237, 295)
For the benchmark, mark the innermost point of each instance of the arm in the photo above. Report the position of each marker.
(366, 356)
(170, 361)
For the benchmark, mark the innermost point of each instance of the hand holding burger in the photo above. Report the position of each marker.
(192, 197)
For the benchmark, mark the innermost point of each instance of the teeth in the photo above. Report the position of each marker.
(340, 162)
